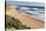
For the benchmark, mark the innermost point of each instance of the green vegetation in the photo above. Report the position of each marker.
(15, 23)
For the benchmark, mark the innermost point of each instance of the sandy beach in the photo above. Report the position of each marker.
(25, 20)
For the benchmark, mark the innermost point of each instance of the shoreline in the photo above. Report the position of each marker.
(33, 16)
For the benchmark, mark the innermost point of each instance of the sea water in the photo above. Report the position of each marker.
(38, 12)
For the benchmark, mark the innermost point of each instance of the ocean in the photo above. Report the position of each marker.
(37, 12)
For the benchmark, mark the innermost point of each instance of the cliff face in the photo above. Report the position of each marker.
(27, 21)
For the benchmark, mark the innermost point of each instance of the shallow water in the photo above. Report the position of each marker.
(38, 12)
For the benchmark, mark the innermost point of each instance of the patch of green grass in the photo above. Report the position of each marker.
(15, 23)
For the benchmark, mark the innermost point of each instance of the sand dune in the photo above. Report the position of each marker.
(26, 20)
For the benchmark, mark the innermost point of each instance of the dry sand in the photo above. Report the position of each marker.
(26, 20)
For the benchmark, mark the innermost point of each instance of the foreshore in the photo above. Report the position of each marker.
(33, 16)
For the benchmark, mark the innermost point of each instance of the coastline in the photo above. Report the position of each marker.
(26, 20)
(33, 16)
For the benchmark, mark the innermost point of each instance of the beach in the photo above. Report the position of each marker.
(29, 21)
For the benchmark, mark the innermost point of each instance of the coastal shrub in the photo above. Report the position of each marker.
(12, 22)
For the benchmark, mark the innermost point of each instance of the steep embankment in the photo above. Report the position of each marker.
(26, 20)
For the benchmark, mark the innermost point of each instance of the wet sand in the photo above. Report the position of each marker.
(26, 20)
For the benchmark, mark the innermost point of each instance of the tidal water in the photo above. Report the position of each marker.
(38, 12)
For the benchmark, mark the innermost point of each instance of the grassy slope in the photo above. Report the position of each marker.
(15, 23)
